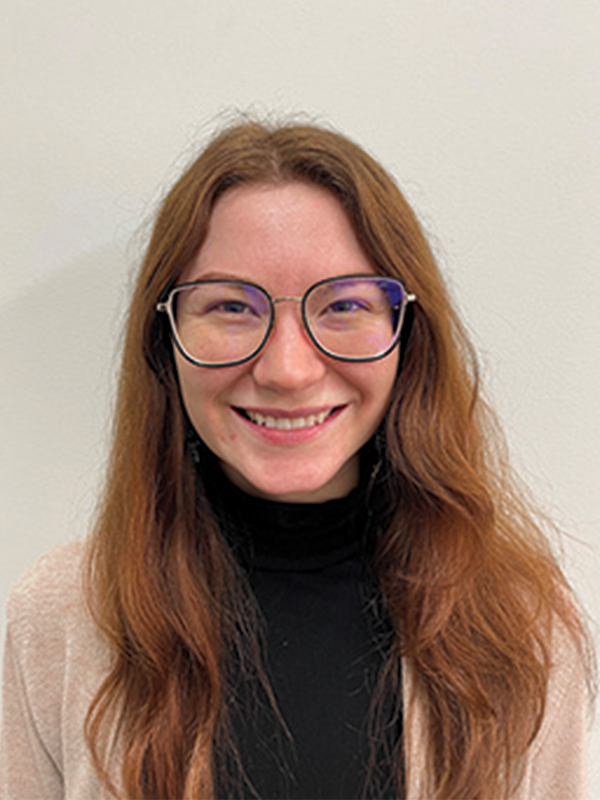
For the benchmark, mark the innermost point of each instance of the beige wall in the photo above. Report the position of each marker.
(488, 113)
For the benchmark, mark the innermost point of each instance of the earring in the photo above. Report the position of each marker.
(380, 447)
(193, 444)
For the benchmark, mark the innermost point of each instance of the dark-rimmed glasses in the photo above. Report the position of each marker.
(222, 323)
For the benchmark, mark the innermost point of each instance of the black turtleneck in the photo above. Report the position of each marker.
(307, 565)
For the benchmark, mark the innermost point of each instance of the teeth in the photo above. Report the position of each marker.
(288, 423)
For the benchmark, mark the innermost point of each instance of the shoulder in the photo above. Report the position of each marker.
(56, 653)
(54, 574)
(557, 762)
(555, 766)
(55, 660)
(49, 597)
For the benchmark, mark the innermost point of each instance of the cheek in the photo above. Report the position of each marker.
(376, 382)
(197, 392)
(203, 392)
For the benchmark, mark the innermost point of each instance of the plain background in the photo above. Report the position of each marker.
(487, 113)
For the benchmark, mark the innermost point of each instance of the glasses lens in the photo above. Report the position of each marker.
(220, 322)
(355, 318)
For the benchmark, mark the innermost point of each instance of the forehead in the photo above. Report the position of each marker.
(284, 236)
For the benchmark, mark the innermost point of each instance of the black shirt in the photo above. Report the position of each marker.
(307, 565)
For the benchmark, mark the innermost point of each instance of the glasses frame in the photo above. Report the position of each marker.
(168, 305)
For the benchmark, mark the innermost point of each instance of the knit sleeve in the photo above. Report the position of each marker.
(555, 767)
(27, 770)
(53, 664)
(557, 764)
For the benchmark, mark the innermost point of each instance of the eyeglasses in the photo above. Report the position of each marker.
(222, 323)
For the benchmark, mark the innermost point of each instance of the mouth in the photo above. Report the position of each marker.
(288, 423)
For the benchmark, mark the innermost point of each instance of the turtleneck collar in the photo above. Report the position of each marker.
(272, 535)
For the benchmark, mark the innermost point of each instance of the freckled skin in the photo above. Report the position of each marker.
(285, 238)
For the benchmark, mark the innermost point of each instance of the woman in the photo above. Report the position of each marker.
(312, 574)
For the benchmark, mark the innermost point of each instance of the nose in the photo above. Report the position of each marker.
(289, 361)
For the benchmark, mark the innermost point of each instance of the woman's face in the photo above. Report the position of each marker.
(285, 237)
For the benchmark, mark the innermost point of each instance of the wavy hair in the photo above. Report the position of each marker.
(467, 578)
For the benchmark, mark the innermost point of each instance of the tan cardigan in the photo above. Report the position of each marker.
(54, 661)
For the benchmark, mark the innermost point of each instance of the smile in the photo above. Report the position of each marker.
(287, 423)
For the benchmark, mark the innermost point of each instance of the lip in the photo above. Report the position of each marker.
(292, 435)
(288, 414)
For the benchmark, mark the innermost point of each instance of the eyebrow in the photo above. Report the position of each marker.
(218, 275)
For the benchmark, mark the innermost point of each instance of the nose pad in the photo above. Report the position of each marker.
(289, 359)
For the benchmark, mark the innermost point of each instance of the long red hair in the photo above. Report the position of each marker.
(466, 575)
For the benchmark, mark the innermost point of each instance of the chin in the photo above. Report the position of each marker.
(298, 488)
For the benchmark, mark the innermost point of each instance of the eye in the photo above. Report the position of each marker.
(232, 307)
(345, 306)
